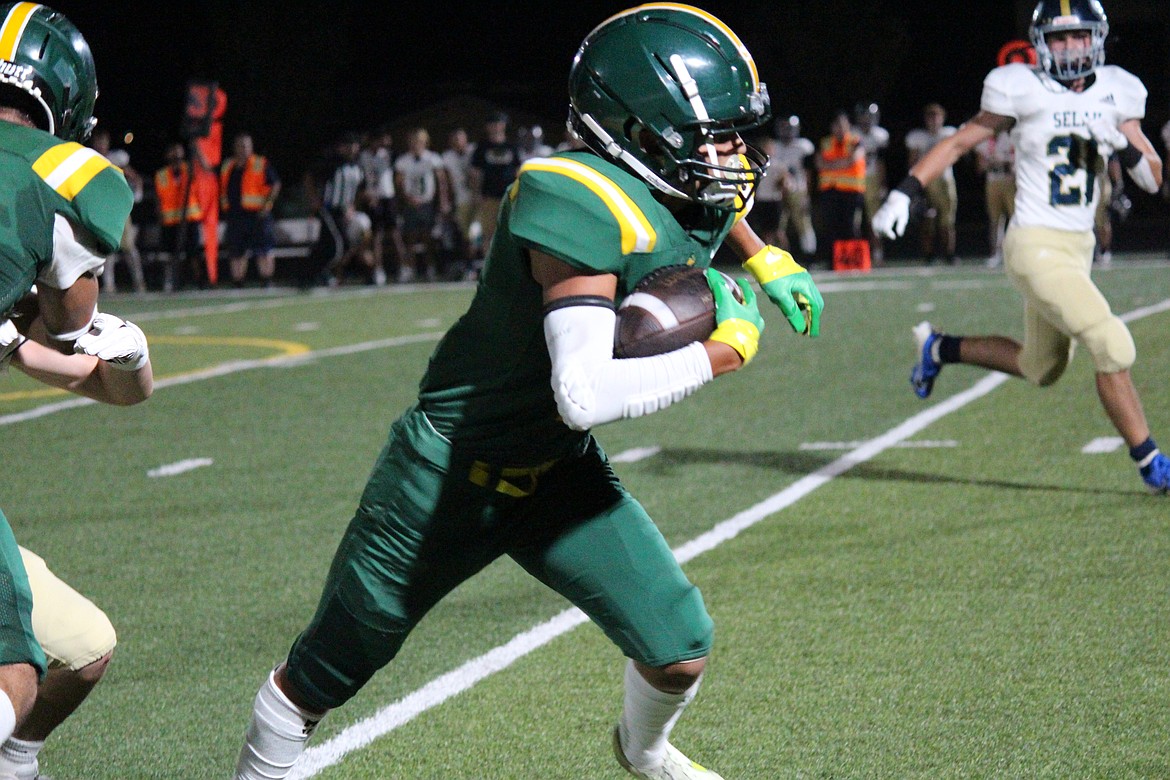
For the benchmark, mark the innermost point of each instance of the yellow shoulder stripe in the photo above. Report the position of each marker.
(68, 167)
(637, 234)
(12, 29)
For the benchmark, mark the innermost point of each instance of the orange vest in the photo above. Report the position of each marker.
(254, 188)
(850, 179)
(169, 189)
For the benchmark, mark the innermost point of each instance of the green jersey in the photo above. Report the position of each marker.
(42, 177)
(488, 386)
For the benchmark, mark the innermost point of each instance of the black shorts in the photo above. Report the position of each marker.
(250, 233)
(384, 213)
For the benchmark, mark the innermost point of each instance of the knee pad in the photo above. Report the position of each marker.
(1110, 344)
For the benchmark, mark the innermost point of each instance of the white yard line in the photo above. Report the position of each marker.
(1103, 445)
(635, 454)
(179, 467)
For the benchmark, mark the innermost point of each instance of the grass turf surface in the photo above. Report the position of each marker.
(990, 609)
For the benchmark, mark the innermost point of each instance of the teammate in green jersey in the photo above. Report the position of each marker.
(62, 209)
(496, 457)
(112, 367)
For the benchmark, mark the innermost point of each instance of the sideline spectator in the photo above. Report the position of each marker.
(421, 180)
(938, 227)
(494, 165)
(248, 190)
(180, 226)
(128, 249)
(381, 202)
(995, 159)
(841, 165)
(875, 139)
(1111, 203)
(792, 153)
(531, 141)
(457, 161)
(346, 232)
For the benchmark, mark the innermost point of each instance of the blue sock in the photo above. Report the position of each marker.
(1143, 451)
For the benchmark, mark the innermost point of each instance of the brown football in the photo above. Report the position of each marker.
(668, 309)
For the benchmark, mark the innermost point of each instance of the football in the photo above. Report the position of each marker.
(668, 309)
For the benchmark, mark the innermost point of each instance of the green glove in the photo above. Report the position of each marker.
(790, 287)
(737, 325)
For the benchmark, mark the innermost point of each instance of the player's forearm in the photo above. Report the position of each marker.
(108, 385)
(592, 388)
(935, 162)
(743, 240)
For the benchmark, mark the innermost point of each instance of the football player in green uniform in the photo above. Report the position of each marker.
(496, 457)
(63, 208)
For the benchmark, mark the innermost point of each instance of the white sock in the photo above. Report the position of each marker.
(276, 735)
(648, 715)
(7, 716)
(18, 757)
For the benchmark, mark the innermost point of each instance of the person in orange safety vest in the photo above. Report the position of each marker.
(248, 187)
(841, 167)
(179, 232)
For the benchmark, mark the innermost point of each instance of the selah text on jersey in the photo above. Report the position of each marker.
(1058, 166)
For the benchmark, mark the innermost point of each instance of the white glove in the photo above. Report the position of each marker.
(10, 341)
(121, 344)
(1108, 137)
(890, 220)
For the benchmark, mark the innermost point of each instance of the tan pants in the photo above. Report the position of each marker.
(71, 629)
(1062, 305)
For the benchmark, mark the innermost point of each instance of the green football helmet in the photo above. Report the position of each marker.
(47, 70)
(652, 87)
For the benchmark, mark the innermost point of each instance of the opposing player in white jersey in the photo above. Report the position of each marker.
(1066, 116)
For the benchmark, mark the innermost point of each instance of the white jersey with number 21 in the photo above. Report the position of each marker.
(1058, 167)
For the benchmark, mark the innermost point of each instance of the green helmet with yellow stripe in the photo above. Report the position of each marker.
(47, 70)
(654, 87)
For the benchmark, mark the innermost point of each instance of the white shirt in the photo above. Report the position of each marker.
(999, 156)
(1058, 168)
(920, 140)
(457, 165)
(874, 140)
(418, 174)
(789, 156)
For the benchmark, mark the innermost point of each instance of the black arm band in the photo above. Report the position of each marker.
(911, 187)
(578, 300)
(1130, 156)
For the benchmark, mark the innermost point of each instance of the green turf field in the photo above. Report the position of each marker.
(960, 595)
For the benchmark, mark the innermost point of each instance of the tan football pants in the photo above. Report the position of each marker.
(71, 629)
(1062, 305)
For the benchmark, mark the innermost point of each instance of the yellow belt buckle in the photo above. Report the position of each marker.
(504, 480)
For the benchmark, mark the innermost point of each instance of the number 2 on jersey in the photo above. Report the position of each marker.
(1075, 153)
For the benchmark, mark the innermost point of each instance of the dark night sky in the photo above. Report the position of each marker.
(297, 74)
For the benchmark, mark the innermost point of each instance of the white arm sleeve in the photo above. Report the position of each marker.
(1143, 176)
(592, 387)
(74, 253)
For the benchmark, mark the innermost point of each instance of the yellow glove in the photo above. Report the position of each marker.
(788, 286)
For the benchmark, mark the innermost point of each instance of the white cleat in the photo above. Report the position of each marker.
(675, 766)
